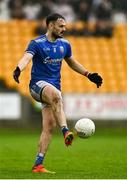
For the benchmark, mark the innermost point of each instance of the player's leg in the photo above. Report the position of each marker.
(52, 96)
(47, 93)
(48, 124)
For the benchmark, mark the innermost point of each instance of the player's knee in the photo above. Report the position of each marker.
(56, 99)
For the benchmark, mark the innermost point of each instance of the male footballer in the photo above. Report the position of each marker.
(47, 53)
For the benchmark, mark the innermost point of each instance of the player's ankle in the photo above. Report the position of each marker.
(39, 159)
(64, 129)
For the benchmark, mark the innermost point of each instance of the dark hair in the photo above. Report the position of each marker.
(53, 17)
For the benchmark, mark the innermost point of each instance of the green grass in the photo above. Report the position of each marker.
(103, 156)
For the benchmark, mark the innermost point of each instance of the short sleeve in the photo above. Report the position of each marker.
(32, 48)
(68, 50)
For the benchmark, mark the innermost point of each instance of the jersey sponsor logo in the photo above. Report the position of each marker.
(52, 61)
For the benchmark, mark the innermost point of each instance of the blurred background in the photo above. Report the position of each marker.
(97, 31)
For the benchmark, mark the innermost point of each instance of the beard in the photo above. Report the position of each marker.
(56, 36)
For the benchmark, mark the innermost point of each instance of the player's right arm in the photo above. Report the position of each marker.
(24, 61)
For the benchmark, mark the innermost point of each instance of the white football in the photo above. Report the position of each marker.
(85, 127)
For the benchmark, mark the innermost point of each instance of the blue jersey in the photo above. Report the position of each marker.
(47, 59)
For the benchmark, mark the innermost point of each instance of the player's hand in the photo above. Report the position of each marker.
(95, 78)
(16, 74)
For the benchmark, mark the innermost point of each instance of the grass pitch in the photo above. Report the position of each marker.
(103, 156)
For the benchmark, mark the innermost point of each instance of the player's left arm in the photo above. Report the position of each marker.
(79, 68)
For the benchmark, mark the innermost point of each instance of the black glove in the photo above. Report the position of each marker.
(16, 74)
(95, 78)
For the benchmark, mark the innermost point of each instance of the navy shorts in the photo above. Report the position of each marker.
(36, 90)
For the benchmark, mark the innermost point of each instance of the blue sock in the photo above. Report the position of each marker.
(64, 129)
(39, 159)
